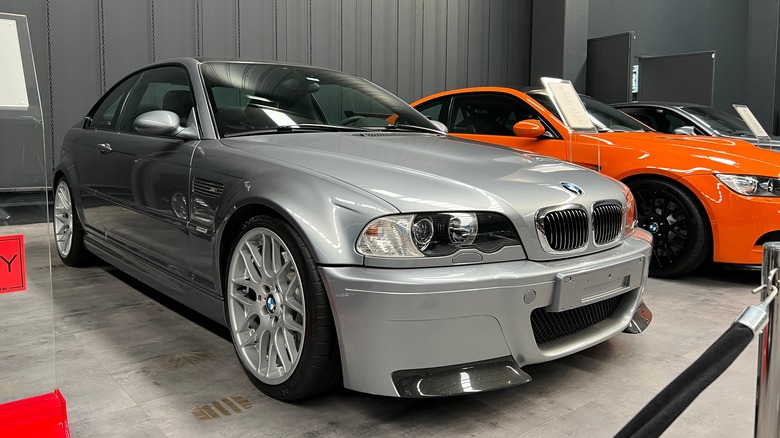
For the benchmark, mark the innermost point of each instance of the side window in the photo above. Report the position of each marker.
(674, 121)
(648, 116)
(436, 109)
(489, 114)
(162, 88)
(106, 115)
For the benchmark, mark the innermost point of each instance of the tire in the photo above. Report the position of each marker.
(681, 235)
(68, 232)
(280, 318)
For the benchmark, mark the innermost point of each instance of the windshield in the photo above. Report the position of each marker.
(248, 97)
(720, 122)
(603, 116)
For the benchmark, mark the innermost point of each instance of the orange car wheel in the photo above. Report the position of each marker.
(681, 238)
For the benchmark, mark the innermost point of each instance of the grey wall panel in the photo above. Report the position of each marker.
(258, 29)
(667, 27)
(356, 37)
(434, 45)
(499, 44)
(762, 92)
(126, 30)
(294, 30)
(609, 67)
(678, 78)
(75, 68)
(457, 44)
(326, 33)
(384, 43)
(519, 38)
(409, 52)
(174, 28)
(478, 43)
(219, 28)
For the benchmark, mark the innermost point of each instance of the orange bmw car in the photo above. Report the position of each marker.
(702, 198)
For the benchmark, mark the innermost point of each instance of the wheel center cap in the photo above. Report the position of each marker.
(653, 228)
(271, 304)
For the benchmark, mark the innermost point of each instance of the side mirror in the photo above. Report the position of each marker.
(440, 126)
(528, 128)
(685, 130)
(163, 123)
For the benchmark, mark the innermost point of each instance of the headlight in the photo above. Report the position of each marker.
(750, 185)
(435, 234)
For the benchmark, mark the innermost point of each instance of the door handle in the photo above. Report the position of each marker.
(104, 148)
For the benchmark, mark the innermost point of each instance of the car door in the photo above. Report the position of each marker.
(142, 180)
(489, 118)
(85, 147)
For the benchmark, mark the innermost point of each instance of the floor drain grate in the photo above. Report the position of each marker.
(222, 408)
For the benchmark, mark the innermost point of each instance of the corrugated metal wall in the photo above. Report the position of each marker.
(410, 47)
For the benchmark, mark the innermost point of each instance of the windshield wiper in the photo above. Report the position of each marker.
(301, 127)
(403, 127)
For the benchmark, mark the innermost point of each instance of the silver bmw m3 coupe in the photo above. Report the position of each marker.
(341, 236)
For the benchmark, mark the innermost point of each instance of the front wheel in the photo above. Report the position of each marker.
(681, 238)
(278, 312)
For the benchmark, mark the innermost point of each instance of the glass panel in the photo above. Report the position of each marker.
(164, 88)
(26, 307)
(252, 97)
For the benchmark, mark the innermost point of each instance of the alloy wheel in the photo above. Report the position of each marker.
(63, 219)
(663, 215)
(266, 306)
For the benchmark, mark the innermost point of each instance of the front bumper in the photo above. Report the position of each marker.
(395, 325)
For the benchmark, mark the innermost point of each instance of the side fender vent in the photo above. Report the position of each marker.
(209, 189)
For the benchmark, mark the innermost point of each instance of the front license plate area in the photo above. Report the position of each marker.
(579, 288)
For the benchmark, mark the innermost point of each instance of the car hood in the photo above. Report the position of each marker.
(699, 154)
(419, 172)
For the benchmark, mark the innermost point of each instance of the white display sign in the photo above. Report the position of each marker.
(569, 105)
(750, 120)
(13, 88)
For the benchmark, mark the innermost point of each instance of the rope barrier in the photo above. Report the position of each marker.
(662, 410)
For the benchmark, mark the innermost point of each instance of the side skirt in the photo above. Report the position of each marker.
(189, 294)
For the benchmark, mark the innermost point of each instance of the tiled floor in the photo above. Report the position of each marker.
(131, 362)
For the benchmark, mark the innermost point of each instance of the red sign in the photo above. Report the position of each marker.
(12, 273)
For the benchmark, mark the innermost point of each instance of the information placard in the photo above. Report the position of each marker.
(13, 88)
(569, 105)
(12, 269)
(750, 120)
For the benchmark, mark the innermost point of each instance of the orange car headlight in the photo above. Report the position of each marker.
(751, 185)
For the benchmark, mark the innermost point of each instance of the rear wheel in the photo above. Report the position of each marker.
(681, 238)
(68, 232)
(278, 312)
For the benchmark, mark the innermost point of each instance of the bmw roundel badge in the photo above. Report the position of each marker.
(271, 304)
(574, 188)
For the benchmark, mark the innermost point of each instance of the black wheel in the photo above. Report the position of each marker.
(68, 232)
(278, 312)
(681, 237)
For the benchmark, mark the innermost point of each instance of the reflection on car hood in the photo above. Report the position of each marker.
(417, 172)
(773, 143)
(718, 154)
